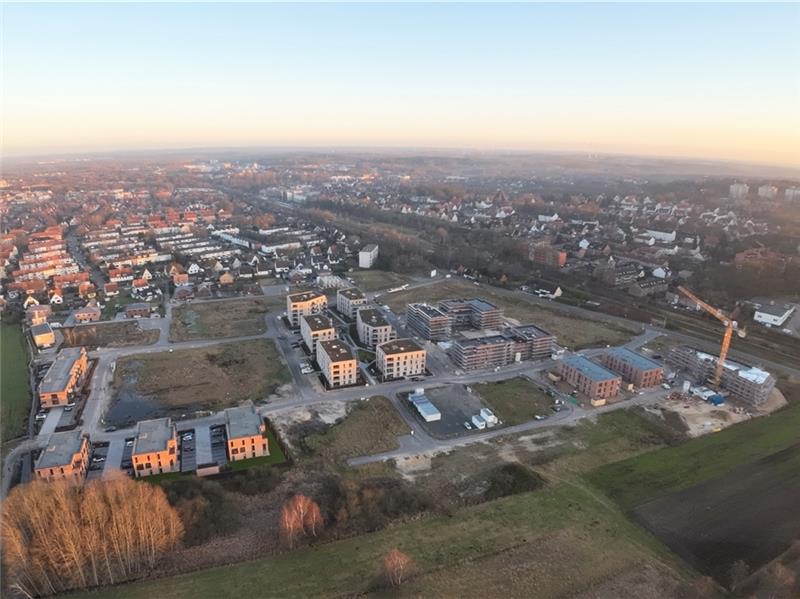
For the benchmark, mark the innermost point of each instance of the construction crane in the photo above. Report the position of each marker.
(730, 326)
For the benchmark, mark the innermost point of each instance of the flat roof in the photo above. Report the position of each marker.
(138, 306)
(61, 447)
(590, 369)
(399, 346)
(317, 322)
(481, 305)
(749, 373)
(428, 310)
(352, 293)
(531, 331)
(41, 329)
(56, 377)
(485, 340)
(152, 435)
(304, 296)
(370, 247)
(243, 421)
(337, 350)
(776, 310)
(373, 317)
(636, 360)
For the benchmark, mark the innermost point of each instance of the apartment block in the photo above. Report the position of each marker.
(43, 335)
(471, 313)
(338, 365)
(373, 328)
(314, 328)
(532, 342)
(428, 322)
(488, 351)
(367, 256)
(399, 359)
(155, 447)
(591, 379)
(349, 301)
(246, 433)
(302, 304)
(64, 377)
(66, 457)
(746, 383)
(548, 256)
(635, 368)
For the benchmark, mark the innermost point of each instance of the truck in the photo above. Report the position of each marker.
(488, 416)
(478, 422)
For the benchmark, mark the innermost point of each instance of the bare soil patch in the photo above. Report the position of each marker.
(219, 319)
(111, 334)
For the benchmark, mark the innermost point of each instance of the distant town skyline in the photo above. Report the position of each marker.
(717, 81)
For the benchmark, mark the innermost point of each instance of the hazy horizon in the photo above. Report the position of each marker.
(692, 82)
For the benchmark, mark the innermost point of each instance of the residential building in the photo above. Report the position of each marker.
(43, 336)
(532, 342)
(400, 358)
(338, 365)
(367, 256)
(66, 457)
(739, 191)
(591, 379)
(89, 313)
(373, 328)
(471, 313)
(792, 194)
(246, 433)
(647, 287)
(548, 255)
(155, 447)
(527, 342)
(37, 313)
(768, 192)
(428, 322)
(635, 368)
(349, 301)
(64, 377)
(774, 315)
(746, 383)
(302, 304)
(139, 310)
(314, 328)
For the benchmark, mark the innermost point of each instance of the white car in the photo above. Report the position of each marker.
(467, 425)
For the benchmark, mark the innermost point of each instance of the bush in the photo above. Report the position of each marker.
(203, 507)
(510, 479)
(252, 481)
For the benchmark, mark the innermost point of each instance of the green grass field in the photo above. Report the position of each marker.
(515, 401)
(600, 542)
(14, 387)
(639, 479)
(276, 456)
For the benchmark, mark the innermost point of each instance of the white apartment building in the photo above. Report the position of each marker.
(373, 328)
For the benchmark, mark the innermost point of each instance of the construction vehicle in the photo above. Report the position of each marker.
(730, 326)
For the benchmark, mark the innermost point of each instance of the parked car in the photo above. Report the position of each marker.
(467, 425)
(98, 458)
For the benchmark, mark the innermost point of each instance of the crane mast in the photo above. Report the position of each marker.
(728, 323)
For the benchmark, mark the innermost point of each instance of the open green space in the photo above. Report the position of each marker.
(275, 457)
(370, 427)
(577, 532)
(514, 401)
(636, 480)
(572, 331)
(210, 378)
(116, 304)
(219, 319)
(377, 280)
(15, 395)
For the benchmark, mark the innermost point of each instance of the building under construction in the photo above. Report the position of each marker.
(746, 383)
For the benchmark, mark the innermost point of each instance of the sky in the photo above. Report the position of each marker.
(716, 81)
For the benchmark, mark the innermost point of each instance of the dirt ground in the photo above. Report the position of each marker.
(219, 319)
(208, 378)
(575, 333)
(747, 514)
(112, 334)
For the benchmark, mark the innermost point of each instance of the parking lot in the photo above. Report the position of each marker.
(188, 450)
(219, 441)
(97, 461)
(457, 403)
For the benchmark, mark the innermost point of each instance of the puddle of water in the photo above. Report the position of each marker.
(128, 405)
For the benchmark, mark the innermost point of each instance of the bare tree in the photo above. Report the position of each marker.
(396, 566)
(300, 515)
(59, 536)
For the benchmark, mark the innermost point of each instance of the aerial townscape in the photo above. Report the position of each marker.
(350, 371)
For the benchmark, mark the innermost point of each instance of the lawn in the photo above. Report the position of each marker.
(116, 304)
(276, 456)
(14, 384)
(370, 427)
(514, 401)
(206, 378)
(565, 538)
(642, 478)
(366, 355)
(571, 331)
(377, 280)
(219, 319)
